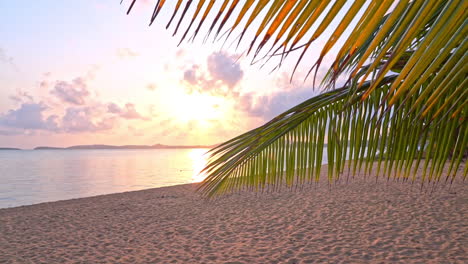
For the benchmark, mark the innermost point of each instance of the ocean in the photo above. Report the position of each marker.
(37, 176)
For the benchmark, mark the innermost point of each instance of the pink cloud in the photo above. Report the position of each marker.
(225, 68)
(29, 116)
(84, 119)
(221, 78)
(127, 112)
(21, 97)
(74, 92)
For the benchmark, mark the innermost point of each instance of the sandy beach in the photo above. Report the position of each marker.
(355, 222)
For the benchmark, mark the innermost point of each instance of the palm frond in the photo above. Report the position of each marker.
(404, 105)
(289, 149)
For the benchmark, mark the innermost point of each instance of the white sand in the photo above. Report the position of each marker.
(358, 222)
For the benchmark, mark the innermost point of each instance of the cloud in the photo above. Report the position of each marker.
(180, 53)
(5, 58)
(225, 68)
(127, 112)
(66, 107)
(21, 97)
(44, 84)
(124, 53)
(74, 92)
(114, 108)
(152, 87)
(221, 78)
(80, 119)
(29, 116)
(269, 106)
(190, 75)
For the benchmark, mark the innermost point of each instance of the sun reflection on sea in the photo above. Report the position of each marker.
(199, 161)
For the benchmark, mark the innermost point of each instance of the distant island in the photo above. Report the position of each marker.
(156, 146)
(10, 149)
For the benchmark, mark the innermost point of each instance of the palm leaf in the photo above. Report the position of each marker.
(404, 109)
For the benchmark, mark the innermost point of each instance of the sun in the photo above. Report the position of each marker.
(198, 107)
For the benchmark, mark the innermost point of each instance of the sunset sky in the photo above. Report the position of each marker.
(83, 72)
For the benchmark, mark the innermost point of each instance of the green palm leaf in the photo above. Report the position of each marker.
(405, 109)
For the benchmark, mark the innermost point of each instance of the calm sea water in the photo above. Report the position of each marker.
(36, 176)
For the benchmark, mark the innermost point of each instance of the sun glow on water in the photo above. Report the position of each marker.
(199, 161)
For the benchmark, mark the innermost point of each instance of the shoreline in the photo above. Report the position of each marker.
(354, 222)
(94, 196)
(368, 179)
